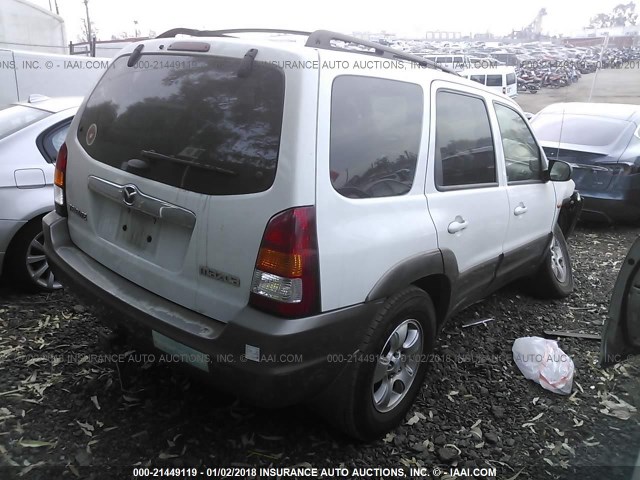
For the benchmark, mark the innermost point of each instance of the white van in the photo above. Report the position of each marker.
(498, 79)
(26, 73)
(450, 61)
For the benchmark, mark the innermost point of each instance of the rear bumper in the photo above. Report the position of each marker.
(297, 358)
(611, 207)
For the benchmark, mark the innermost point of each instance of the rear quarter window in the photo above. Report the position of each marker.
(494, 80)
(187, 121)
(376, 126)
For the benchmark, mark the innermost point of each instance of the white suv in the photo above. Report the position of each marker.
(296, 221)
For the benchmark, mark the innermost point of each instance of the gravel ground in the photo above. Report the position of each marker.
(65, 410)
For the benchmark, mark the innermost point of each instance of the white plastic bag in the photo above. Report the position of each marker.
(542, 361)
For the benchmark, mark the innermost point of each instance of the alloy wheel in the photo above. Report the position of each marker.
(558, 262)
(38, 266)
(397, 365)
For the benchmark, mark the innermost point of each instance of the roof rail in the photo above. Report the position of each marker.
(319, 39)
(223, 33)
(323, 39)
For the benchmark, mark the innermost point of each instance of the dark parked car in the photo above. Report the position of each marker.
(621, 337)
(602, 143)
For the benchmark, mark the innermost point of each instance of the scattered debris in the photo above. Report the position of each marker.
(542, 361)
(482, 321)
(586, 336)
(619, 409)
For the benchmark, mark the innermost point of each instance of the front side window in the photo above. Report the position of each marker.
(188, 121)
(478, 78)
(521, 153)
(376, 126)
(464, 153)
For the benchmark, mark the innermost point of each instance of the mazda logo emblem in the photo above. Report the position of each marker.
(129, 194)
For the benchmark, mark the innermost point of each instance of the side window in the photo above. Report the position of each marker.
(464, 153)
(51, 140)
(478, 78)
(494, 80)
(376, 127)
(521, 153)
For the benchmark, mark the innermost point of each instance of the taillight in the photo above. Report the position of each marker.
(286, 279)
(621, 168)
(59, 181)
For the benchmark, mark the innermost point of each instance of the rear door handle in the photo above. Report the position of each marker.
(457, 225)
(520, 210)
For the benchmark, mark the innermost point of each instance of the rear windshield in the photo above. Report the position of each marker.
(187, 121)
(511, 78)
(17, 117)
(579, 129)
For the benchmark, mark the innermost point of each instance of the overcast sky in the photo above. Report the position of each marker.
(404, 17)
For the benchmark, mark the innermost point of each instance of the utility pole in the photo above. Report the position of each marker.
(89, 35)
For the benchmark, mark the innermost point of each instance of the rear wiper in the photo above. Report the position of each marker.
(161, 156)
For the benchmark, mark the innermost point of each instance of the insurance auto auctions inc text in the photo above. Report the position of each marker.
(346, 472)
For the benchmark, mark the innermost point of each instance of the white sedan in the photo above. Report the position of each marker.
(30, 135)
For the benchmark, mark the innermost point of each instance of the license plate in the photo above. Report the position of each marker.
(139, 230)
(180, 352)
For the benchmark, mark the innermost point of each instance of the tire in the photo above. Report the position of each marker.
(26, 264)
(554, 279)
(355, 403)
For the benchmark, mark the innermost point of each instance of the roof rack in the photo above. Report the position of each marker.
(223, 33)
(322, 39)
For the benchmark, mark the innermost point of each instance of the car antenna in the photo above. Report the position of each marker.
(560, 135)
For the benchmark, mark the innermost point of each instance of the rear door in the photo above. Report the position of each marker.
(465, 188)
(621, 335)
(177, 163)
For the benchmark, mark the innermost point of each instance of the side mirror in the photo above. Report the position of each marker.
(559, 171)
